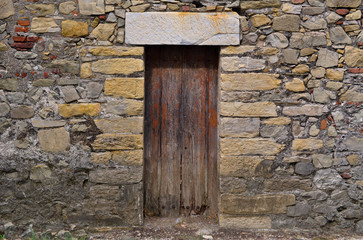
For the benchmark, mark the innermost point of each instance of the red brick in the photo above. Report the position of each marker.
(19, 38)
(354, 70)
(361, 70)
(102, 17)
(297, 1)
(342, 11)
(32, 39)
(21, 29)
(185, 8)
(75, 13)
(323, 124)
(52, 57)
(24, 45)
(46, 75)
(339, 23)
(23, 75)
(360, 44)
(23, 23)
(346, 176)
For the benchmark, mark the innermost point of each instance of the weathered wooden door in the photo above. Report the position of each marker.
(180, 130)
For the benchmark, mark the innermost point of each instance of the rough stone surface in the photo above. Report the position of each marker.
(124, 66)
(256, 146)
(54, 140)
(43, 25)
(70, 110)
(103, 31)
(7, 9)
(343, 3)
(327, 179)
(232, 64)
(74, 28)
(116, 176)
(120, 125)
(327, 58)
(240, 127)
(250, 81)
(338, 36)
(278, 40)
(22, 112)
(91, 7)
(353, 57)
(258, 109)
(117, 142)
(125, 87)
(173, 29)
(308, 110)
(67, 7)
(259, 4)
(307, 144)
(286, 22)
(40, 173)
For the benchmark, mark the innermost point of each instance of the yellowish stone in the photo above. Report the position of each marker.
(259, 20)
(116, 51)
(296, 85)
(250, 81)
(277, 121)
(258, 109)
(117, 142)
(253, 146)
(70, 110)
(125, 87)
(334, 74)
(72, 28)
(125, 66)
(307, 144)
(86, 71)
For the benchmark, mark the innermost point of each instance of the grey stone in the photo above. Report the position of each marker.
(43, 83)
(360, 37)
(288, 22)
(67, 7)
(327, 179)
(315, 23)
(111, 18)
(54, 140)
(290, 56)
(339, 198)
(321, 220)
(38, 123)
(316, 195)
(359, 227)
(354, 144)
(260, 4)
(91, 7)
(25, 55)
(313, 10)
(250, 38)
(307, 40)
(42, 9)
(277, 40)
(299, 210)
(120, 13)
(116, 176)
(355, 192)
(304, 169)
(291, 8)
(10, 84)
(15, 97)
(322, 160)
(332, 132)
(338, 36)
(240, 127)
(22, 112)
(94, 89)
(4, 109)
(352, 214)
(327, 58)
(321, 95)
(65, 66)
(242, 64)
(316, 3)
(67, 81)
(70, 93)
(187, 29)
(2, 28)
(343, 3)
(233, 185)
(280, 133)
(328, 211)
(40, 173)
(333, 17)
(6, 9)
(4, 125)
(307, 110)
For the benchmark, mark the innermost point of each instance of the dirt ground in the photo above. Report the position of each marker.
(199, 229)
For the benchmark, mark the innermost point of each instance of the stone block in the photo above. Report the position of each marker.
(250, 222)
(71, 110)
(128, 158)
(182, 28)
(259, 20)
(128, 107)
(4, 109)
(40, 173)
(117, 142)
(257, 109)
(327, 179)
(307, 144)
(343, 3)
(288, 22)
(353, 56)
(105, 192)
(338, 36)
(103, 31)
(354, 94)
(259, 204)
(65, 66)
(54, 140)
(72, 28)
(290, 56)
(240, 127)
(239, 166)
(116, 51)
(287, 184)
(124, 66)
(44, 25)
(307, 110)
(354, 144)
(322, 160)
(38, 123)
(6, 9)
(120, 125)
(22, 112)
(9, 84)
(250, 81)
(125, 87)
(327, 58)
(41, 9)
(91, 7)
(260, 4)
(116, 176)
(67, 7)
(86, 71)
(278, 121)
(254, 146)
(336, 75)
(296, 85)
(231, 64)
(234, 50)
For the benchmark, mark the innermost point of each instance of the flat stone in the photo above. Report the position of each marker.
(103, 31)
(354, 94)
(322, 160)
(254, 146)
(16, 97)
(258, 109)
(353, 56)
(128, 157)
(301, 69)
(260, 4)
(67, 81)
(120, 125)
(306, 144)
(117, 142)
(299, 210)
(238, 222)
(124, 66)
(338, 36)
(4, 109)
(65, 66)
(240, 166)
(91, 7)
(277, 40)
(44, 25)
(22, 112)
(120, 35)
(250, 81)
(122, 107)
(72, 28)
(125, 87)
(25, 55)
(335, 86)
(314, 131)
(40, 173)
(116, 51)
(315, 23)
(277, 132)
(70, 93)
(277, 121)
(54, 140)
(67, 7)
(343, 3)
(354, 144)
(3, 47)
(333, 17)
(259, 20)
(242, 64)
(303, 168)
(43, 82)
(320, 95)
(116, 176)
(327, 179)
(182, 28)
(140, 8)
(240, 127)
(86, 71)
(316, 3)
(313, 10)
(290, 56)
(307, 40)
(327, 58)
(296, 85)
(307, 52)
(234, 50)
(9, 84)
(105, 191)
(70, 110)
(38, 123)
(259, 204)
(354, 15)
(6, 9)
(288, 22)
(42, 9)
(94, 89)
(291, 8)
(287, 184)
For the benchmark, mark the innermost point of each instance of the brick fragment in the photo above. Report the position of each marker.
(21, 29)
(342, 11)
(23, 45)
(19, 38)
(23, 23)
(353, 70)
(32, 39)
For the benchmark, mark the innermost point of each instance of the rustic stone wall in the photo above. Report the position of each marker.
(71, 114)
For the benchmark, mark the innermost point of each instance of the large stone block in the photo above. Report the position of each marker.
(128, 158)
(120, 125)
(260, 4)
(71, 110)
(9, 84)
(105, 192)
(182, 28)
(250, 81)
(254, 146)
(116, 176)
(22, 112)
(116, 51)
(259, 204)
(44, 25)
(307, 144)
(353, 56)
(231, 64)
(123, 107)
(288, 22)
(91, 7)
(117, 142)
(125, 87)
(54, 140)
(6, 9)
(239, 109)
(72, 28)
(343, 3)
(240, 127)
(124, 66)
(307, 110)
(241, 166)
(327, 58)
(353, 94)
(238, 222)
(103, 31)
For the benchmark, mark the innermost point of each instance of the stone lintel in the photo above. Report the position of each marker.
(181, 28)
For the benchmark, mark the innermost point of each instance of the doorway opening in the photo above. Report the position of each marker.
(181, 131)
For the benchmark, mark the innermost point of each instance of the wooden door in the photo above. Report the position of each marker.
(180, 130)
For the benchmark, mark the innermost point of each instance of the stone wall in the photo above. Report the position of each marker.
(71, 114)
